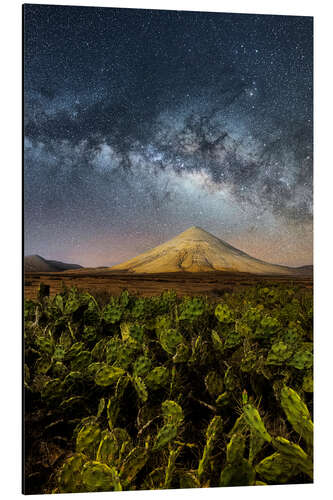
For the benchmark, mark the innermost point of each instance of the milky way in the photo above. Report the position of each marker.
(139, 124)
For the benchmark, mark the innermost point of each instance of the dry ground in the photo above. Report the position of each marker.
(209, 283)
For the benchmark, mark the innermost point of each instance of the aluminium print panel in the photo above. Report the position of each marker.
(168, 280)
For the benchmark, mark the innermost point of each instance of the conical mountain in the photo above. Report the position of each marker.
(196, 250)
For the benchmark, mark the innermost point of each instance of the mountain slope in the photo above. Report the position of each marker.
(36, 263)
(196, 250)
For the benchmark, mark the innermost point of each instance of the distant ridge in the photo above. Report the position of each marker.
(36, 263)
(196, 250)
(305, 269)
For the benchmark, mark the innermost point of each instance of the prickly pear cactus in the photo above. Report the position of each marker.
(91, 315)
(52, 391)
(65, 340)
(140, 388)
(74, 383)
(238, 471)
(108, 375)
(183, 353)
(137, 381)
(139, 309)
(192, 309)
(189, 479)
(224, 314)
(73, 351)
(81, 361)
(136, 331)
(171, 467)
(99, 350)
(267, 328)
(100, 477)
(93, 369)
(223, 400)
(256, 444)
(112, 313)
(43, 365)
(255, 423)
(170, 339)
(308, 382)
(294, 454)
(279, 353)
(88, 439)
(101, 406)
(69, 476)
(90, 334)
(126, 353)
(230, 380)
(59, 353)
(236, 449)
(111, 350)
(217, 342)
(214, 384)
(141, 366)
(112, 410)
(298, 414)
(165, 435)
(213, 432)
(157, 378)
(72, 403)
(275, 469)
(172, 413)
(45, 344)
(72, 304)
(303, 358)
(252, 316)
(241, 474)
(250, 362)
(133, 463)
(108, 450)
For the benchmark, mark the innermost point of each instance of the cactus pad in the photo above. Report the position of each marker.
(254, 421)
(108, 449)
(279, 353)
(88, 439)
(172, 412)
(275, 469)
(224, 314)
(183, 354)
(157, 378)
(99, 477)
(238, 475)
(140, 388)
(166, 434)
(108, 375)
(294, 454)
(297, 413)
(303, 358)
(192, 309)
(133, 463)
(141, 366)
(214, 383)
(170, 339)
(112, 313)
(236, 449)
(69, 478)
(136, 331)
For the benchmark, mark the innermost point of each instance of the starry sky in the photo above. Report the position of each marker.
(139, 124)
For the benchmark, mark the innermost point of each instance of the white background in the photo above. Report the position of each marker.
(11, 237)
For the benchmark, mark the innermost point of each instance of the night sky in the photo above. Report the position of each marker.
(140, 124)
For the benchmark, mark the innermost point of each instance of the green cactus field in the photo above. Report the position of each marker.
(131, 393)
